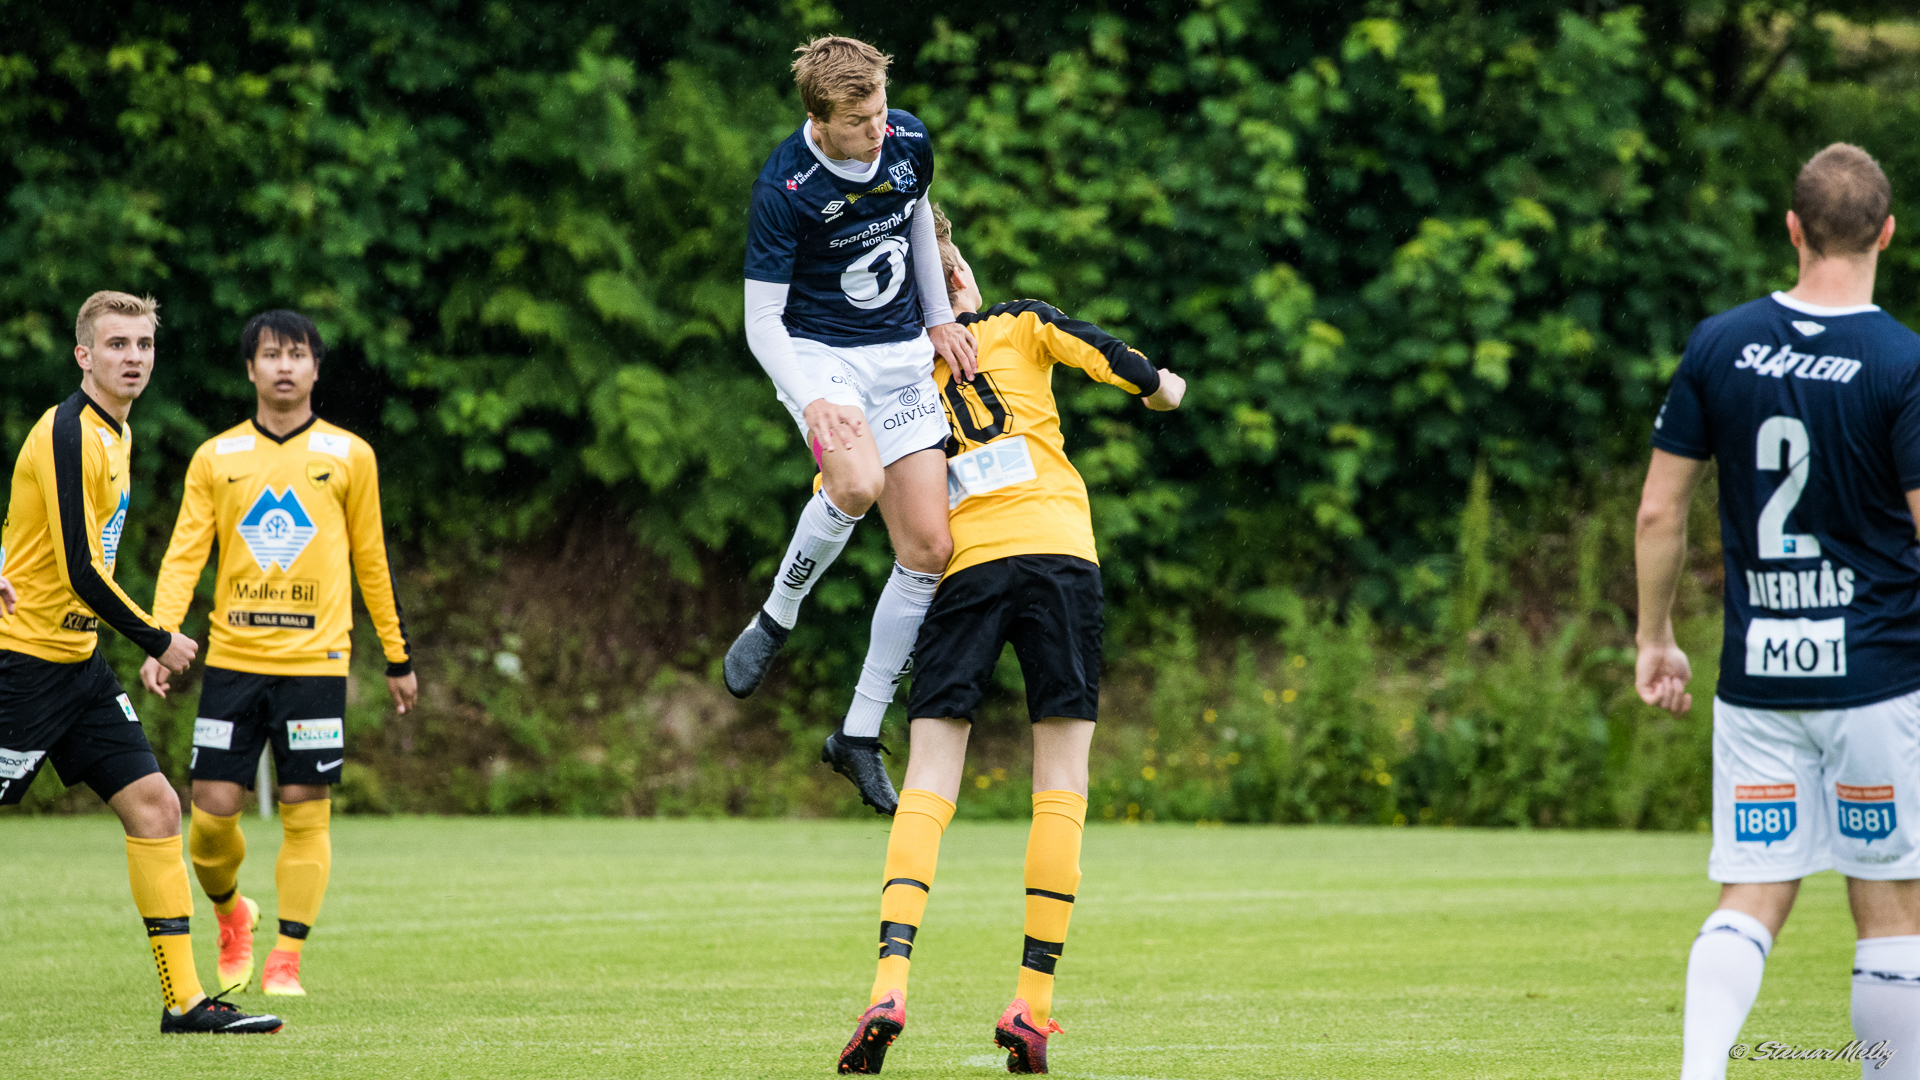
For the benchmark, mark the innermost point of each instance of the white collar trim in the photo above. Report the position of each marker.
(866, 170)
(1815, 309)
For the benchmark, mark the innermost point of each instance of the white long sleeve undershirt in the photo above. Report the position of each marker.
(934, 309)
(767, 337)
(766, 303)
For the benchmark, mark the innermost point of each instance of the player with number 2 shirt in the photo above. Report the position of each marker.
(1809, 400)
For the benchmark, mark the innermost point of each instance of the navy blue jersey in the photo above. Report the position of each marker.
(842, 244)
(1814, 418)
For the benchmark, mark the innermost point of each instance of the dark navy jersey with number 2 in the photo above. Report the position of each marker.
(842, 245)
(1814, 417)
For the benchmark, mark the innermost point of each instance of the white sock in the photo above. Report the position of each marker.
(896, 623)
(1886, 1004)
(1723, 978)
(818, 539)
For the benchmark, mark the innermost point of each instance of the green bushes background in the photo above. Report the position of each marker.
(1428, 264)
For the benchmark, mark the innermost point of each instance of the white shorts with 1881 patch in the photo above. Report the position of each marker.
(1795, 793)
(891, 384)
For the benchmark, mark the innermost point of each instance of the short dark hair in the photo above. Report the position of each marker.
(283, 325)
(1842, 199)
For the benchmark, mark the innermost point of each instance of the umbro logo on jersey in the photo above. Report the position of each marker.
(833, 209)
(1808, 328)
(277, 528)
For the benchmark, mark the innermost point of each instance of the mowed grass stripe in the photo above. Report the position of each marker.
(599, 948)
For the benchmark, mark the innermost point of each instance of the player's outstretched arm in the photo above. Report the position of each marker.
(1166, 399)
(1661, 670)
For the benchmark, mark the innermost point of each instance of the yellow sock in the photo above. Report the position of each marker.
(218, 847)
(913, 851)
(1053, 876)
(306, 857)
(165, 901)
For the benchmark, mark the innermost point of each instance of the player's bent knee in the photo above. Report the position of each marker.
(149, 808)
(855, 490)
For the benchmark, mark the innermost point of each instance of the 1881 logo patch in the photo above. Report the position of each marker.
(1866, 813)
(1763, 812)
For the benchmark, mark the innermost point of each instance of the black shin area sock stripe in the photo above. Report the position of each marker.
(166, 927)
(896, 939)
(298, 931)
(1065, 898)
(1040, 955)
(225, 896)
(921, 885)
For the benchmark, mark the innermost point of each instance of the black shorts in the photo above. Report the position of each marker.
(302, 714)
(1049, 606)
(74, 715)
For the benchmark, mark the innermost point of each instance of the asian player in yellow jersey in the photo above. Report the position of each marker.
(292, 505)
(1024, 571)
(59, 701)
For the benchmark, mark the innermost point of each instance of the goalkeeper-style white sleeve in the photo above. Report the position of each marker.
(767, 337)
(934, 308)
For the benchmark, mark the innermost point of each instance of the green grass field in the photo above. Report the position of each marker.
(620, 948)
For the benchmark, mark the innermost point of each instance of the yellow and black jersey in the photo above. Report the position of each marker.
(1011, 487)
(62, 537)
(294, 519)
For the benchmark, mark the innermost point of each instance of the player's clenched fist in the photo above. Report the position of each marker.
(1661, 674)
(1167, 398)
(180, 652)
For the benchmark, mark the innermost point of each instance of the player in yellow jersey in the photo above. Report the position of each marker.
(293, 505)
(59, 701)
(1024, 571)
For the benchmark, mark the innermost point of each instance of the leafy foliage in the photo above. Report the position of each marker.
(1408, 253)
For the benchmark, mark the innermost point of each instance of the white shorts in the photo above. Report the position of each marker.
(1795, 793)
(891, 384)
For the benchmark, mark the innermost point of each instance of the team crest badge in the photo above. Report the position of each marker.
(277, 528)
(902, 174)
(320, 473)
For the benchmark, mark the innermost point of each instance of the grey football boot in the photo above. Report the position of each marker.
(752, 654)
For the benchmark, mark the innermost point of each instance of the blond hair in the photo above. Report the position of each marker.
(1842, 199)
(836, 71)
(111, 303)
(949, 254)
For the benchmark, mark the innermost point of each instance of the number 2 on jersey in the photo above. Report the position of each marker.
(1775, 541)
